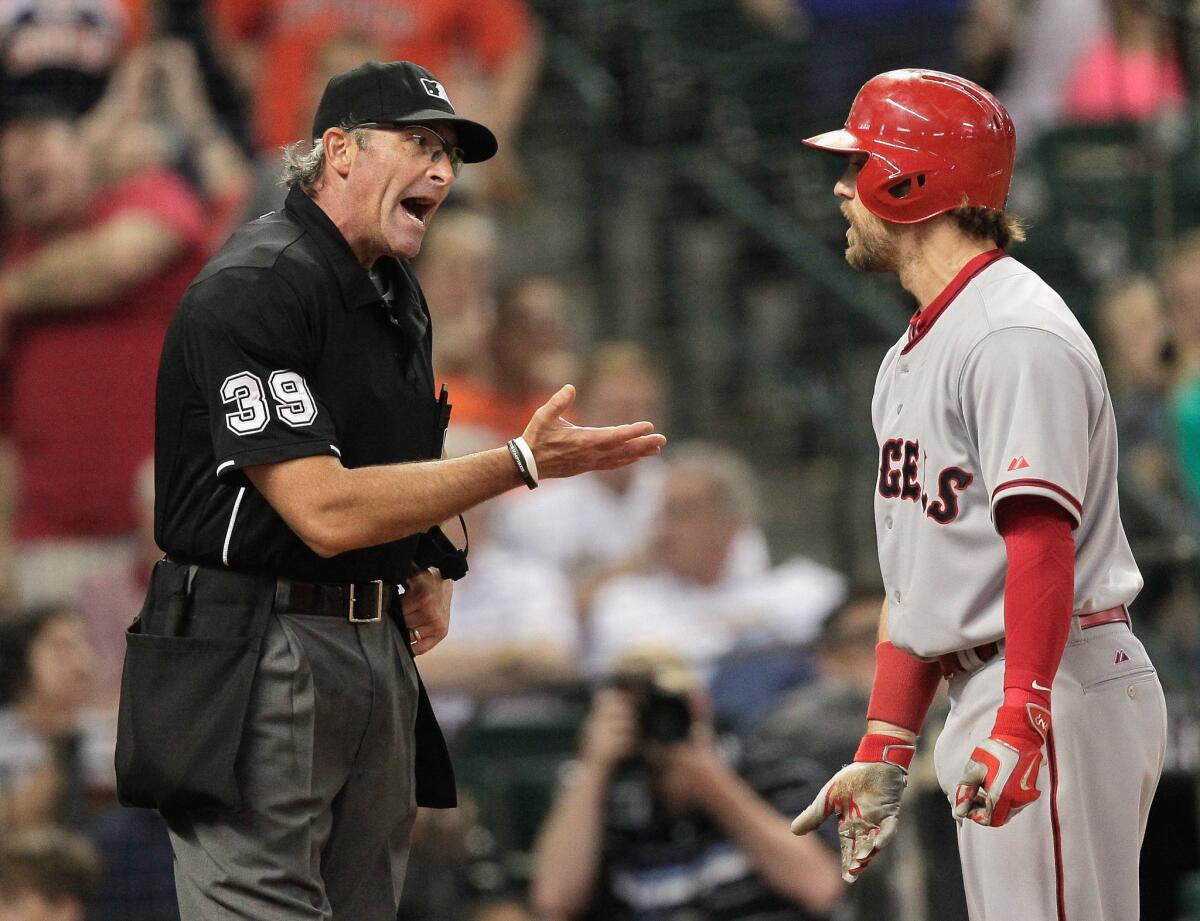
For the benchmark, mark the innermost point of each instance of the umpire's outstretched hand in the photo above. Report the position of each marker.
(562, 449)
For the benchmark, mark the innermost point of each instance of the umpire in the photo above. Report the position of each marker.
(270, 705)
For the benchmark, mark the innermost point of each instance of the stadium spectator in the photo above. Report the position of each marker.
(597, 525)
(1181, 279)
(56, 755)
(1050, 36)
(46, 874)
(824, 718)
(528, 348)
(515, 627)
(457, 270)
(488, 50)
(67, 48)
(90, 276)
(711, 588)
(1136, 340)
(657, 818)
(156, 114)
(514, 624)
(1130, 71)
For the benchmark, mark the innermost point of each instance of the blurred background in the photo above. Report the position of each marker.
(629, 646)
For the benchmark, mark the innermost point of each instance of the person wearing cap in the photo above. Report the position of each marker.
(298, 491)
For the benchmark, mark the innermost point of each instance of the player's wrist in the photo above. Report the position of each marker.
(902, 690)
(891, 749)
(1021, 718)
(1018, 697)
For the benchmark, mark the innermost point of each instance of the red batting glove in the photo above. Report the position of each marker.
(865, 796)
(1000, 778)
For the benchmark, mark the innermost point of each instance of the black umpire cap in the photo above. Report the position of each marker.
(399, 93)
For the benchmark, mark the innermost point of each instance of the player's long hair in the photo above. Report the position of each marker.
(999, 227)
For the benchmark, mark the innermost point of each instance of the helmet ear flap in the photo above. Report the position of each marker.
(903, 196)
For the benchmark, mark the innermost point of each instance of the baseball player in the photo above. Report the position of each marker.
(1000, 541)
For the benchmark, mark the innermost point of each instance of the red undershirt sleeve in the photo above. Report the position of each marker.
(1039, 594)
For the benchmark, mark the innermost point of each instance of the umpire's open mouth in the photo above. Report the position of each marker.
(419, 208)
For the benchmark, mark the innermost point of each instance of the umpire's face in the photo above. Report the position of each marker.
(398, 181)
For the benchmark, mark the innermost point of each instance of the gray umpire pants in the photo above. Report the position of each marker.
(326, 768)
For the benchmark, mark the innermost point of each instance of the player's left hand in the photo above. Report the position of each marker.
(865, 796)
(426, 607)
(1000, 778)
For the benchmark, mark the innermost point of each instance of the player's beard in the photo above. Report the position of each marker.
(872, 248)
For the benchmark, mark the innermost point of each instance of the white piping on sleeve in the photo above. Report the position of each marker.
(221, 467)
(229, 531)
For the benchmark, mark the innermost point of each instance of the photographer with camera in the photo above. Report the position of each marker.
(657, 817)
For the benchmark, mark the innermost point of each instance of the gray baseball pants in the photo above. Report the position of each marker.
(1072, 855)
(326, 768)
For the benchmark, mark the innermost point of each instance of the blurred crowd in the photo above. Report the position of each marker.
(642, 690)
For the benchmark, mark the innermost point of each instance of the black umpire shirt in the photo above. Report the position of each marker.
(282, 348)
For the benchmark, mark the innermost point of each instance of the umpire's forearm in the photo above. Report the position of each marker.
(334, 509)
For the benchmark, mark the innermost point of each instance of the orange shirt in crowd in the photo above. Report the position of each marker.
(476, 404)
(437, 34)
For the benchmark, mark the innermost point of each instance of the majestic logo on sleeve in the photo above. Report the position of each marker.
(901, 477)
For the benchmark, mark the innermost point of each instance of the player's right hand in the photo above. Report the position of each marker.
(1001, 776)
(865, 796)
(562, 449)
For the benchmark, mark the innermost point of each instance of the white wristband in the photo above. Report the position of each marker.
(527, 453)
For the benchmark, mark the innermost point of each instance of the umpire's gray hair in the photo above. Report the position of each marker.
(728, 475)
(303, 163)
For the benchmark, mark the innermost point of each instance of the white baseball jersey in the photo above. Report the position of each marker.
(994, 391)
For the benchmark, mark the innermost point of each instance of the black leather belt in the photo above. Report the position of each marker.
(357, 602)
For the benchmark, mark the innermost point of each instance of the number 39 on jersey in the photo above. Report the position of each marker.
(293, 402)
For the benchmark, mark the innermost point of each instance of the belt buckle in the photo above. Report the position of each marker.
(378, 583)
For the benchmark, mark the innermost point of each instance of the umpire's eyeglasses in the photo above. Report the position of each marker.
(423, 141)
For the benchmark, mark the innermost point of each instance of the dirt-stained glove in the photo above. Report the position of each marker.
(865, 795)
(1000, 778)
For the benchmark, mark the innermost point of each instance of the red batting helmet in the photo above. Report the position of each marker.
(931, 139)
